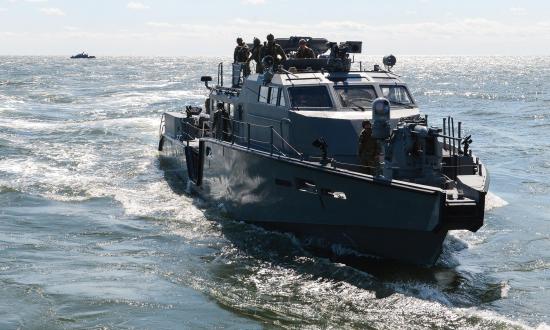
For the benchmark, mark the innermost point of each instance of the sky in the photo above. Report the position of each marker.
(210, 27)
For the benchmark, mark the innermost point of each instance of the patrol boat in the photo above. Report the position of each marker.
(279, 150)
(82, 55)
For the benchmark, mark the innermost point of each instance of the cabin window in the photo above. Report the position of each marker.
(309, 97)
(263, 96)
(273, 95)
(282, 102)
(397, 95)
(356, 97)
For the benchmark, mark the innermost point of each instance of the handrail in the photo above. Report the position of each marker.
(288, 144)
(230, 136)
(274, 149)
(191, 132)
(271, 142)
(220, 74)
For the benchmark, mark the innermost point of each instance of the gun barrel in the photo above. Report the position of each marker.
(448, 137)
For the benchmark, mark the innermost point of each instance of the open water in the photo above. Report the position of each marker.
(93, 233)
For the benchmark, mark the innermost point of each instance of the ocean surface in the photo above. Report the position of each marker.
(94, 234)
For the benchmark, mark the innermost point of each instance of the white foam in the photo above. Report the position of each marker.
(493, 201)
(494, 316)
(422, 291)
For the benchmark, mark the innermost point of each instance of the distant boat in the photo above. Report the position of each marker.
(82, 55)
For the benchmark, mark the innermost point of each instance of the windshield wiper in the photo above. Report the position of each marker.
(406, 105)
(359, 106)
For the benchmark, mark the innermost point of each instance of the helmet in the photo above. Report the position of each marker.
(267, 61)
(256, 42)
(302, 42)
(239, 40)
(270, 37)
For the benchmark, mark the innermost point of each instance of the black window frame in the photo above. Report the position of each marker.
(342, 87)
(271, 95)
(329, 98)
(260, 94)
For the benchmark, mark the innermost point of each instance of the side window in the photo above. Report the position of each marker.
(273, 95)
(264, 94)
(282, 102)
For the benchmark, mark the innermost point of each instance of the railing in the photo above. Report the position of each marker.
(247, 140)
(191, 132)
(220, 74)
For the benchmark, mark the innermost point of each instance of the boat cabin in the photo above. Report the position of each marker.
(297, 106)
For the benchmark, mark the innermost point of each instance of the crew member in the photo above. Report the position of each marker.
(241, 51)
(304, 51)
(241, 54)
(274, 50)
(222, 123)
(368, 149)
(256, 55)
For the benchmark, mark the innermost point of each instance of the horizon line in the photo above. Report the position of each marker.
(217, 56)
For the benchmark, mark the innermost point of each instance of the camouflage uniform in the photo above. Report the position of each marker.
(368, 151)
(305, 52)
(240, 55)
(222, 124)
(256, 56)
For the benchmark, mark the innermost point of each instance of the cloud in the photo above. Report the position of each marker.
(136, 6)
(469, 31)
(3, 9)
(161, 24)
(52, 11)
(454, 36)
(253, 2)
(518, 11)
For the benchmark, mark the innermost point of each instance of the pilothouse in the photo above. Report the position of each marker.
(285, 148)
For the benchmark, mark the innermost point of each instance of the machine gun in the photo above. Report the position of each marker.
(337, 61)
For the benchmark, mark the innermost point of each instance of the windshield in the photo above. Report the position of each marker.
(356, 97)
(309, 97)
(397, 95)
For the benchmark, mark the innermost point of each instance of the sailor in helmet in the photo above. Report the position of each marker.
(368, 149)
(274, 50)
(241, 54)
(304, 51)
(256, 55)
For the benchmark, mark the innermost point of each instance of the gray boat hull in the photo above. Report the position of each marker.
(394, 220)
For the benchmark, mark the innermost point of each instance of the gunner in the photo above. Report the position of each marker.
(274, 50)
(367, 149)
(304, 51)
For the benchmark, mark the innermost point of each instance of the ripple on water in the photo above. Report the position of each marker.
(94, 234)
